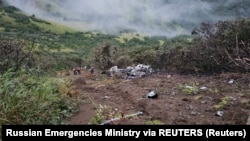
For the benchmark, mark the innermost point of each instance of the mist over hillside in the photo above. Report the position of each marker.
(155, 17)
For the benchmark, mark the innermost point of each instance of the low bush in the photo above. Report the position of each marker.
(28, 99)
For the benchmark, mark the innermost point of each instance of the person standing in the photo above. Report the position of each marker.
(75, 71)
(78, 69)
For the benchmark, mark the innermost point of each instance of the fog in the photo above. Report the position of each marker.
(155, 17)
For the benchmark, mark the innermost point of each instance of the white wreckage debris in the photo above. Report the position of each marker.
(152, 94)
(108, 122)
(131, 72)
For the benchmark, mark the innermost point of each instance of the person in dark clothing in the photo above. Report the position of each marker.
(91, 70)
(78, 69)
(75, 71)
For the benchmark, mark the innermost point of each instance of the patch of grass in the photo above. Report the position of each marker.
(161, 42)
(66, 87)
(54, 28)
(29, 99)
(7, 19)
(190, 88)
(222, 104)
(154, 122)
(102, 113)
(66, 50)
(215, 91)
(198, 97)
(124, 37)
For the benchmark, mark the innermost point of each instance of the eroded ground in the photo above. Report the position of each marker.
(182, 99)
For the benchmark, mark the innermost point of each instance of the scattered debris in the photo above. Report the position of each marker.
(231, 81)
(152, 94)
(106, 97)
(107, 122)
(220, 113)
(204, 88)
(131, 72)
(203, 102)
(220, 104)
(189, 87)
(193, 113)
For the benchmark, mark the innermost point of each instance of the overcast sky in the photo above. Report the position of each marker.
(152, 16)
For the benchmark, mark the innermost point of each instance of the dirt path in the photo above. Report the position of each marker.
(182, 99)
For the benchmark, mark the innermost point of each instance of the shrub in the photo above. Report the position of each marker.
(27, 99)
(13, 54)
(223, 103)
(226, 43)
(123, 61)
(149, 56)
(190, 88)
(101, 57)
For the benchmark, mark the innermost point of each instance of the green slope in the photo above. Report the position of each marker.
(14, 20)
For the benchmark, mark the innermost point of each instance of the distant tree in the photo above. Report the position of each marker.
(102, 57)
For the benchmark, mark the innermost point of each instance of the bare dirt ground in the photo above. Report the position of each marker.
(182, 99)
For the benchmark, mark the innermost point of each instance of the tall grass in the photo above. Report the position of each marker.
(29, 99)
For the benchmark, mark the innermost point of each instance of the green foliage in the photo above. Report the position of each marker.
(11, 9)
(102, 57)
(221, 105)
(13, 54)
(101, 114)
(226, 44)
(223, 46)
(149, 56)
(123, 61)
(154, 122)
(27, 99)
(190, 88)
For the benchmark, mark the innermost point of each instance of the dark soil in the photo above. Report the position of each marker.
(182, 99)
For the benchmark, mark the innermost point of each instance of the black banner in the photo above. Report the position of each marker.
(131, 132)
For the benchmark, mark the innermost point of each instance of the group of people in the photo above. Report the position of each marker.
(77, 70)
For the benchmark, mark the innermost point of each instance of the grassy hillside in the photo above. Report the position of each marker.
(69, 47)
(28, 94)
(163, 17)
(32, 51)
(15, 20)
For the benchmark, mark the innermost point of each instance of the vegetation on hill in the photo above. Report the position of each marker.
(33, 50)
